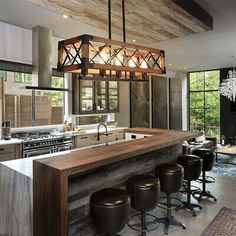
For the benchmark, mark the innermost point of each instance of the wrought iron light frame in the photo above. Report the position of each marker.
(92, 55)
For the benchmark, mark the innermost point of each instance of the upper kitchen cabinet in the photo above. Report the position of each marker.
(91, 97)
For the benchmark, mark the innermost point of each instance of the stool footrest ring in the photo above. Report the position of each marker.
(208, 179)
(138, 226)
(164, 204)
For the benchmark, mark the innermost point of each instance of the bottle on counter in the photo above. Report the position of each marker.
(66, 126)
(222, 140)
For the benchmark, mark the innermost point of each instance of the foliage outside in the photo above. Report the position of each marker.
(205, 102)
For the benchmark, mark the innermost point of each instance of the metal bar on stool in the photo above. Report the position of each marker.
(143, 220)
(203, 181)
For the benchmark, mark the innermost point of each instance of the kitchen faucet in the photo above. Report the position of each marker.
(106, 133)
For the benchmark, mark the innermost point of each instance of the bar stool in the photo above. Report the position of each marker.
(144, 192)
(192, 169)
(207, 157)
(171, 178)
(109, 209)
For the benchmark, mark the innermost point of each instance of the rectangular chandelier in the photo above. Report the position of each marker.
(92, 55)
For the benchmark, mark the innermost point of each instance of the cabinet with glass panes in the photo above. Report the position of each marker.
(95, 96)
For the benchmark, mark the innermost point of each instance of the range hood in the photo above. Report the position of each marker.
(42, 59)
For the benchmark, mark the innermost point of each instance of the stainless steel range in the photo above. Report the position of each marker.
(35, 144)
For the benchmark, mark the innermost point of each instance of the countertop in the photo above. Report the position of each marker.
(79, 161)
(69, 133)
(11, 141)
(85, 158)
(94, 131)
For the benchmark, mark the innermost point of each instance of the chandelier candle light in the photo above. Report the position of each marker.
(228, 86)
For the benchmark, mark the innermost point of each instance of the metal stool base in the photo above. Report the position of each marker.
(143, 225)
(189, 206)
(169, 222)
(204, 194)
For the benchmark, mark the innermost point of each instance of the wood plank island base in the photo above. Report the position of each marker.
(62, 184)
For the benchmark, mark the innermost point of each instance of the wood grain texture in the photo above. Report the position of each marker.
(83, 160)
(49, 201)
(16, 206)
(146, 21)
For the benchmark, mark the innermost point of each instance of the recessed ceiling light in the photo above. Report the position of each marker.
(170, 64)
(185, 68)
(65, 16)
(134, 40)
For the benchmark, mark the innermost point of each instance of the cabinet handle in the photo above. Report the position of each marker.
(2, 149)
(83, 137)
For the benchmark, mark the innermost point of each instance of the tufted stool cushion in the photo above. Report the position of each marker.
(192, 166)
(109, 208)
(170, 176)
(144, 191)
(207, 157)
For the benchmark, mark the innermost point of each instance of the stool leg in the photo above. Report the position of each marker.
(169, 220)
(143, 221)
(188, 204)
(205, 193)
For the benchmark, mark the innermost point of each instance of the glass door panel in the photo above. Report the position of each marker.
(113, 97)
(86, 95)
(100, 96)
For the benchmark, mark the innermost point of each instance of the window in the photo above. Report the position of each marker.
(24, 107)
(23, 78)
(204, 102)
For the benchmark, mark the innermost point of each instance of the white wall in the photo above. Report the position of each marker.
(16, 44)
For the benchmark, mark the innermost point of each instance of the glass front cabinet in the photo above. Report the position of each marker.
(91, 97)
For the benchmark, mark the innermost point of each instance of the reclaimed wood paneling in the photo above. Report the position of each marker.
(159, 102)
(146, 21)
(139, 104)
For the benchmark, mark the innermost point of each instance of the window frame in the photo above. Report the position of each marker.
(205, 91)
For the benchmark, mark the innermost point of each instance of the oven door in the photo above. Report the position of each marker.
(37, 151)
(64, 147)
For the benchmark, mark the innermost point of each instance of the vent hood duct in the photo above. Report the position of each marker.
(42, 59)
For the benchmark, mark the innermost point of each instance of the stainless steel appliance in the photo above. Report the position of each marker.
(35, 144)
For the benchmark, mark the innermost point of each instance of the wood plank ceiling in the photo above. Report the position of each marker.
(147, 21)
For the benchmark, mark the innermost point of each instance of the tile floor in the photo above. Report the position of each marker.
(224, 190)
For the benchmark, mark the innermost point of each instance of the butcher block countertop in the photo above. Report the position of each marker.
(78, 161)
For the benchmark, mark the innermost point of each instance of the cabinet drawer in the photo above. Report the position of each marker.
(85, 140)
(7, 156)
(7, 148)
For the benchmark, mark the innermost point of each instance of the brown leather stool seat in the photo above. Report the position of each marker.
(207, 157)
(192, 169)
(109, 209)
(171, 178)
(144, 192)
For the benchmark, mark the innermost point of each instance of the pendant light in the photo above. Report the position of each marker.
(100, 58)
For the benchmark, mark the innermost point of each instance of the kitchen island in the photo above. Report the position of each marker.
(62, 183)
